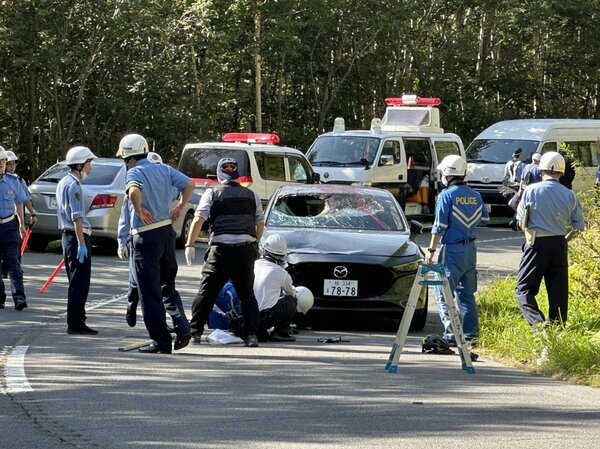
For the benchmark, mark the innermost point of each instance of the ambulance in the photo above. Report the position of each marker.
(399, 153)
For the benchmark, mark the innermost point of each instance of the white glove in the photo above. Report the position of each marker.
(123, 253)
(190, 253)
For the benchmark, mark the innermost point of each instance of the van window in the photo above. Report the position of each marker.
(443, 149)
(583, 152)
(343, 150)
(499, 151)
(548, 146)
(392, 148)
(270, 166)
(298, 171)
(419, 150)
(202, 162)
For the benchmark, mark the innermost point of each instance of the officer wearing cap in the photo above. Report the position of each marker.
(235, 217)
(547, 212)
(12, 230)
(513, 170)
(149, 187)
(76, 237)
(172, 303)
(457, 212)
(531, 173)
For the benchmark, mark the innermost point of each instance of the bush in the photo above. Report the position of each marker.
(573, 348)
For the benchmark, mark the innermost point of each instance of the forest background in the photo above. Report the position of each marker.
(89, 71)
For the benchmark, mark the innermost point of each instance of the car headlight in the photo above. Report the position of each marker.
(410, 266)
(362, 184)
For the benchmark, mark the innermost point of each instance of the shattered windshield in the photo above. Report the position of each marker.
(336, 211)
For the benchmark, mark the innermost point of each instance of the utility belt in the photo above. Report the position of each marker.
(462, 242)
(86, 231)
(7, 219)
(159, 224)
(233, 245)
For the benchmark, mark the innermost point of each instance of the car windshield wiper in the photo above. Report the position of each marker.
(54, 180)
(331, 163)
(483, 161)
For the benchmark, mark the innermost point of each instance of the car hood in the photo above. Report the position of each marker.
(317, 241)
(485, 172)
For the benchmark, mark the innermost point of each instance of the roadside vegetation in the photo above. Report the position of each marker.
(573, 350)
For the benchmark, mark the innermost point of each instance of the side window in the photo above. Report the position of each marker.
(270, 166)
(391, 148)
(419, 150)
(443, 149)
(582, 152)
(548, 146)
(298, 172)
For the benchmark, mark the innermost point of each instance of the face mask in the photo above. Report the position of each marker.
(445, 181)
(83, 175)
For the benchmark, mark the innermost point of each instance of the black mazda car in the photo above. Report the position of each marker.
(352, 247)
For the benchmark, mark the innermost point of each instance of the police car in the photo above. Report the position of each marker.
(400, 153)
(262, 164)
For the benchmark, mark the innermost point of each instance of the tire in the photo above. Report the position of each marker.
(185, 230)
(420, 316)
(38, 242)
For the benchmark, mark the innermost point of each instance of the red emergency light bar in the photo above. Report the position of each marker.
(412, 100)
(251, 138)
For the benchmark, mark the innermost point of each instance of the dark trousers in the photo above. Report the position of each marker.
(279, 316)
(223, 263)
(155, 270)
(546, 259)
(10, 253)
(78, 275)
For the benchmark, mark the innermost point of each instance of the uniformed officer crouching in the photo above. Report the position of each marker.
(76, 237)
(548, 211)
(12, 230)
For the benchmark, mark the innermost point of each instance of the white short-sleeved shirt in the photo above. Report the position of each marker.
(271, 281)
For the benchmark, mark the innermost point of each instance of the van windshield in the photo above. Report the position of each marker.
(202, 162)
(499, 151)
(343, 151)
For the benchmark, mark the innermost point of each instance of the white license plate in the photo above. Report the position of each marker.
(51, 201)
(340, 287)
(489, 208)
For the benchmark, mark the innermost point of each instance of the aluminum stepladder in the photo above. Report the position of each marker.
(430, 274)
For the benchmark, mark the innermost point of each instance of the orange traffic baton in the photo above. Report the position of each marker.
(52, 276)
(25, 240)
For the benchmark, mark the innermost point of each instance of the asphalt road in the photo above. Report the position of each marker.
(79, 392)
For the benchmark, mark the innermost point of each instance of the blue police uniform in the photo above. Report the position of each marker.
(70, 207)
(458, 211)
(531, 174)
(172, 303)
(154, 249)
(12, 194)
(553, 209)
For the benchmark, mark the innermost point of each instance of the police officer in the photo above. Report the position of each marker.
(547, 212)
(149, 188)
(11, 167)
(235, 218)
(76, 237)
(513, 170)
(458, 211)
(173, 305)
(531, 173)
(12, 230)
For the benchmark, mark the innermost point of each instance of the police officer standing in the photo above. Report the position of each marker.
(11, 167)
(458, 211)
(547, 212)
(235, 218)
(76, 237)
(150, 189)
(12, 230)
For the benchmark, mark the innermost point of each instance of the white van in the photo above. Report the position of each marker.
(400, 153)
(489, 152)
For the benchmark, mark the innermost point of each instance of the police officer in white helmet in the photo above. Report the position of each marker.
(548, 212)
(76, 237)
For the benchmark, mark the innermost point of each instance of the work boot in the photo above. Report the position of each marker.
(81, 330)
(281, 336)
(197, 337)
(20, 304)
(251, 341)
(182, 342)
(153, 348)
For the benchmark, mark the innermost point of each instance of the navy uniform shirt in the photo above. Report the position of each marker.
(69, 203)
(553, 209)
(156, 182)
(457, 212)
(11, 194)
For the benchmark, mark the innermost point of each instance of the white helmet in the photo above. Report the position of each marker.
(305, 299)
(552, 162)
(276, 246)
(154, 157)
(453, 165)
(3, 153)
(11, 156)
(79, 155)
(131, 145)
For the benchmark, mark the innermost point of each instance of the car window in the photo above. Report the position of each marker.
(101, 174)
(583, 152)
(298, 172)
(323, 210)
(392, 148)
(499, 151)
(202, 162)
(445, 148)
(271, 167)
(419, 150)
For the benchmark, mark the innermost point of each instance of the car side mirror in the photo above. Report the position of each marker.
(386, 159)
(316, 178)
(415, 227)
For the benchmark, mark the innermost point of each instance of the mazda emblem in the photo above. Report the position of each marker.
(340, 272)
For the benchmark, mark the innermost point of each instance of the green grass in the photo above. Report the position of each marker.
(573, 348)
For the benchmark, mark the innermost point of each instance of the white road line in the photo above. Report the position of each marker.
(15, 380)
(520, 237)
(98, 304)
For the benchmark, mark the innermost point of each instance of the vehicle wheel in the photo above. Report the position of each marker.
(38, 242)
(185, 230)
(420, 317)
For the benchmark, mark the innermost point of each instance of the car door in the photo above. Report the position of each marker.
(298, 170)
(271, 169)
